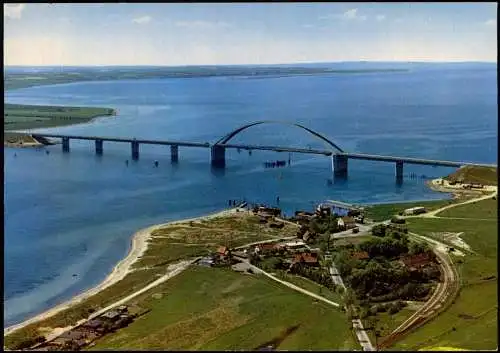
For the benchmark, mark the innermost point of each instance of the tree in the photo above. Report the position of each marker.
(314, 227)
(379, 230)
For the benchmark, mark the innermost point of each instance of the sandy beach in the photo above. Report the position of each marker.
(139, 245)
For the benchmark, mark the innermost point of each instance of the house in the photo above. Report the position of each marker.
(414, 262)
(206, 261)
(112, 315)
(93, 324)
(476, 186)
(414, 211)
(323, 210)
(69, 337)
(346, 222)
(360, 255)
(122, 308)
(223, 253)
(309, 259)
(294, 244)
(272, 211)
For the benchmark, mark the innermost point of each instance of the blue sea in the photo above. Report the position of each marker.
(75, 213)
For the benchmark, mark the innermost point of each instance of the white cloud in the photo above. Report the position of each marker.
(13, 11)
(142, 20)
(308, 26)
(201, 24)
(351, 14)
(492, 22)
(380, 17)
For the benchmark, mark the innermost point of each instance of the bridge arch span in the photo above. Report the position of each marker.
(233, 133)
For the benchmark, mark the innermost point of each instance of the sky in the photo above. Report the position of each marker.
(247, 33)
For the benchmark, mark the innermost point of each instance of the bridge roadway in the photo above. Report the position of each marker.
(128, 140)
(341, 157)
(277, 149)
(409, 160)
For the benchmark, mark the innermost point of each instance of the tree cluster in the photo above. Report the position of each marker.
(319, 276)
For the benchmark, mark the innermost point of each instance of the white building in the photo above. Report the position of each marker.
(414, 211)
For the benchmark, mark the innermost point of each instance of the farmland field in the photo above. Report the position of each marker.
(230, 311)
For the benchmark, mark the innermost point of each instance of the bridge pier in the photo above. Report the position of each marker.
(339, 166)
(174, 153)
(135, 150)
(399, 172)
(99, 147)
(218, 154)
(65, 144)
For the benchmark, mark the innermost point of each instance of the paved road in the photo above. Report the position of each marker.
(363, 338)
(337, 279)
(288, 284)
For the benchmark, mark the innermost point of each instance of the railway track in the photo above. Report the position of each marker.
(443, 293)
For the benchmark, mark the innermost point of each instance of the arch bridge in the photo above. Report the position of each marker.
(338, 156)
(218, 149)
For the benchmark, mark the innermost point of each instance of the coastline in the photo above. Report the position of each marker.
(138, 246)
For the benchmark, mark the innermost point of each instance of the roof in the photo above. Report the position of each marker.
(111, 314)
(360, 255)
(305, 257)
(415, 209)
(72, 335)
(222, 250)
(93, 323)
(268, 246)
(416, 260)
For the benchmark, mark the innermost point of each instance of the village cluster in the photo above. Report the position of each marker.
(84, 334)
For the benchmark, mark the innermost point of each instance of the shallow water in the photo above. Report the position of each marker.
(74, 213)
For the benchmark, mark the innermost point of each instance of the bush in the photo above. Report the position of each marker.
(393, 309)
(398, 220)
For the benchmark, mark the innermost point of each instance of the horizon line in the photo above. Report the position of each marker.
(289, 63)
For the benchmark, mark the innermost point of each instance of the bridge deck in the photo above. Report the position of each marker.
(128, 140)
(278, 149)
(409, 160)
(362, 156)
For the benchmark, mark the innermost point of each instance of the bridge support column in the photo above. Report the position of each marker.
(339, 165)
(218, 156)
(399, 172)
(65, 144)
(174, 153)
(135, 150)
(99, 147)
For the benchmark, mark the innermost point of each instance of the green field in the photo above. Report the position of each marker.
(470, 174)
(384, 212)
(218, 309)
(19, 117)
(470, 322)
(482, 209)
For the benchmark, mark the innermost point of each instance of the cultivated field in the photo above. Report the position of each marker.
(218, 309)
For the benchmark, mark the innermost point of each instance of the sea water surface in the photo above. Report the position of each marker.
(74, 213)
